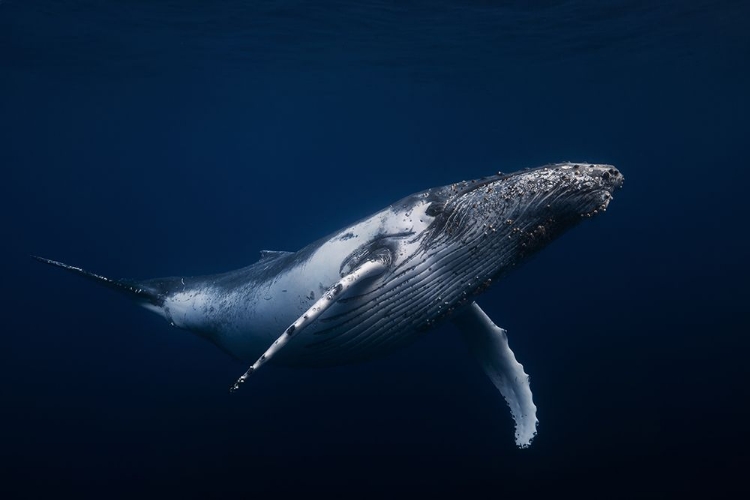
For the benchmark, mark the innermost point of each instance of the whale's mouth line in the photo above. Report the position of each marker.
(606, 196)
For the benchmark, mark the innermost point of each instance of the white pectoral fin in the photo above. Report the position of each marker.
(489, 343)
(368, 269)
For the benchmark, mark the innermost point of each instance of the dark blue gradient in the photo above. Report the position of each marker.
(154, 138)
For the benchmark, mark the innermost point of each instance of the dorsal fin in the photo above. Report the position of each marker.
(272, 254)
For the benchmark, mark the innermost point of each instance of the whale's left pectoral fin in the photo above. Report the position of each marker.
(489, 343)
(368, 269)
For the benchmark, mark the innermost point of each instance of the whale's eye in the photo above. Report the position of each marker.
(436, 208)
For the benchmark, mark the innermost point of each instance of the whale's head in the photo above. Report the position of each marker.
(465, 235)
(554, 196)
(492, 224)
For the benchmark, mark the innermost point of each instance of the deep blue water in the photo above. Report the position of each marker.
(153, 138)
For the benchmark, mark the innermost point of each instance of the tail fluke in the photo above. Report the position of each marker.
(134, 289)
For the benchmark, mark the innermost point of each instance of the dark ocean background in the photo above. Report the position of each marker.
(154, 138)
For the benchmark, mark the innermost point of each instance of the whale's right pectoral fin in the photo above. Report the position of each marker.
(489, 343)
(368, 269)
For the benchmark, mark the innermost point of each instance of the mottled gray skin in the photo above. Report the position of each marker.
(469, 235)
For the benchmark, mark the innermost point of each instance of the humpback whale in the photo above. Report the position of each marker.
(371, 287)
